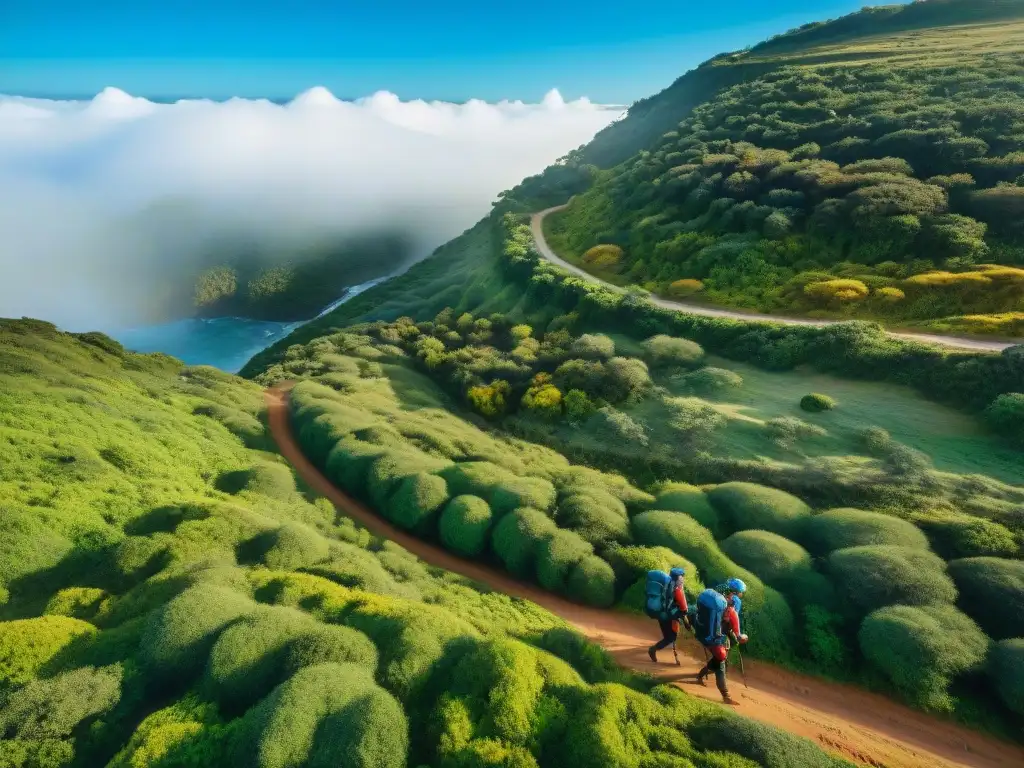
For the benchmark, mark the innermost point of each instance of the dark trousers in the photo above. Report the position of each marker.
(668, 635)
(718, 667)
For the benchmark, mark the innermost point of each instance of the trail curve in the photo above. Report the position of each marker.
(546, 252)
(864, 727)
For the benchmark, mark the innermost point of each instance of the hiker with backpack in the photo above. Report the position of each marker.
(666, 602)
(717, 625)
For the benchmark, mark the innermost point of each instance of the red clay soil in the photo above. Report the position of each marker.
(860, 726)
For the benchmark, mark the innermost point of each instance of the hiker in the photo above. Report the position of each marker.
(717, 625)
(666, 602)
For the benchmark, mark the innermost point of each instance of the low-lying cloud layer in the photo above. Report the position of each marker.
(105, 203)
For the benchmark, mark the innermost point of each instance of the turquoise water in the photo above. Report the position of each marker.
(223, 342)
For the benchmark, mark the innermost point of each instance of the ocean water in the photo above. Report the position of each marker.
(223, 342)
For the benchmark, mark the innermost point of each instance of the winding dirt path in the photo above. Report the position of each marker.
(959, 342)
(858, 725)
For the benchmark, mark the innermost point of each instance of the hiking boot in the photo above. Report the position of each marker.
(653, 654)
(727, 699)
(702, 677)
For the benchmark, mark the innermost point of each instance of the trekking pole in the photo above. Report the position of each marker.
(743, 674)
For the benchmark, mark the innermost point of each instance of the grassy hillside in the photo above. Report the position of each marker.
(169, 597)
(868, 167)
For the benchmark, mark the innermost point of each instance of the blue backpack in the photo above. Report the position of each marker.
(707, 623)
(658, 603)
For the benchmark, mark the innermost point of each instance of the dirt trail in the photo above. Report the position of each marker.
(858, 725)
(959, 342)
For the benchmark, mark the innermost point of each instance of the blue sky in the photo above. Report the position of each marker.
(613, 52)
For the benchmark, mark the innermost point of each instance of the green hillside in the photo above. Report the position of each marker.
(169, 597)
(868, 167)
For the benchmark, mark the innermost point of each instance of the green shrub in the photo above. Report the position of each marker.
(822, 638)
(632, 563)
(920, 649)
(592, 346)
(137, 557)
(1006, 415)
(294, 546)
(518, 536)
(773, 558)
(957, 535)
(592, 581)
(746, 506)
(816, 403)
(179, 635)
(992, 593)
(592, 661)
(273, 480)
(261, 650)
(595, 515)
(464, 525)
(667, 352)
(323, 712)
(503, 490)
(708, 381)
(1006, 671)
(53, 708)
(767, 746)
(348, 464)
(415, 502)
(27, 543)
(556, 556)
(842, 528)
(76, 602)
(388, 471)
(682, 497)
(878, 575)
(27, 644)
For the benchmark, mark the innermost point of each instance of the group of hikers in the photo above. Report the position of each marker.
(714, 620)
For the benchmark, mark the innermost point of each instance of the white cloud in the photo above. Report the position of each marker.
(104, 202)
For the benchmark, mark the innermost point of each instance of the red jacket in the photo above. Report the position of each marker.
(730, 622)
(679, 597)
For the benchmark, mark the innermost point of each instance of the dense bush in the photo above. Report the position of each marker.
(772, 557)
(27, 644)
(416, 501)
(499, 487)
(1006, 670)
(992, 593)
(746, 506)
(877, 575)
(955, 535)
(667, 352)
(517, 537)
(815, 403)
(842, 528)
(293, 546)
(557, 555)
(595, 515)
(76, 602)
(464, 525)
(179, 635)
(922, 648)
(322, 712)
(1006, 415)
(54, 707)
(593, 347)
(681, 497)
(710, 380)
(592, 581)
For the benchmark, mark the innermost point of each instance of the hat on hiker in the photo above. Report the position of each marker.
(736, 585)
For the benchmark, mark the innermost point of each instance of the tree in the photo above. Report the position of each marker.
(490, 400)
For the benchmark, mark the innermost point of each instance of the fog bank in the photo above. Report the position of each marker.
(108, 207)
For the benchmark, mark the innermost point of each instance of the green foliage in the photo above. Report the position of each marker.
(179, 635)
(957, 535)
(873, 576)
(76, 602)
(27, 645)
(258, 652)
(922, 648)
(324, 711)
(500, 488)
(416, 501)
(764, 745)
(746, 506)
(54, 707)
(464, 525)
(293, 546)
(595, 515)
(1006, 670)
(578, 407)
(992, 593)
(667, 352)
(1006, 415)
(517, 538)
(593, 347)
(712, 380)
(681, 497)
(557, 555)
(772, 557)
(842, 528)
(815, 403)
(592, 581)
(821, 634)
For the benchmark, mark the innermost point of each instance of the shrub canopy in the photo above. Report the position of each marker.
(842, 528)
